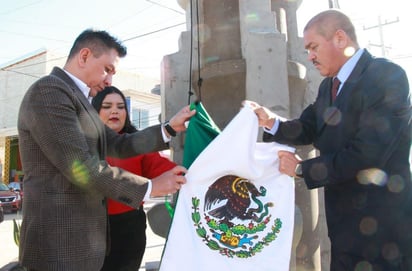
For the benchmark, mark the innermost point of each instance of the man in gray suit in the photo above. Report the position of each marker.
(63, 145)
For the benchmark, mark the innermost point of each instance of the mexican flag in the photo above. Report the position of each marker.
(200, 132)
(236, 211)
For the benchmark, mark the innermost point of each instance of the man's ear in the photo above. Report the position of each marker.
(84, 54)
(341, 39)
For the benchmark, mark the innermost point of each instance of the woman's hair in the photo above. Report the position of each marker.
(98, 101)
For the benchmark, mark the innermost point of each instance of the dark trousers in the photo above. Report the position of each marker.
(387, 247)
(127, 241)
(346, 261)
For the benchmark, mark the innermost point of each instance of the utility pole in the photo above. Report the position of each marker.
(380, 26)
(334, 4)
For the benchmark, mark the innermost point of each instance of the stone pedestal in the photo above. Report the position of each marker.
(250, 50)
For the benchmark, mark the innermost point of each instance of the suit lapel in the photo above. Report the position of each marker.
(96, 121)
(362, 64)
(329, 112)
(353, 79)
(87, 106)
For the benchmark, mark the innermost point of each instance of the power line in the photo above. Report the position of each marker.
(127, 18)
(18, 8)
(125, 40)
(163, 6)
(33, 36)
(153, 32)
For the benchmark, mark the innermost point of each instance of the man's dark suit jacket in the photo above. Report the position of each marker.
(364, 140)
(63, 145)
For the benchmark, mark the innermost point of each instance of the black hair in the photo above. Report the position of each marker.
(98, 42)
(98, 101)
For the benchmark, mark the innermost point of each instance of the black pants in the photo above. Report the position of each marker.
(127, 241)
(346, 261)
(387, 247)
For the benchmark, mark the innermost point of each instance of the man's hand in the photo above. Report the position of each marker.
(169, 182)
(288, 162)
(177, 122)
(265, 116)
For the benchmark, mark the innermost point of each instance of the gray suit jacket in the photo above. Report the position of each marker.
(63, 145)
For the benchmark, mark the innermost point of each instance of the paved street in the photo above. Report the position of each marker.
(9, 250)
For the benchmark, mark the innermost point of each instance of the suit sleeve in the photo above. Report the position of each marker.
(379, 141)
(300, 131)
(143, 141)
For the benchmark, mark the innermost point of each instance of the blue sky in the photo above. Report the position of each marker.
(29, 25)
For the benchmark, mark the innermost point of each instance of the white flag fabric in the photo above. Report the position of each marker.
(236, 211)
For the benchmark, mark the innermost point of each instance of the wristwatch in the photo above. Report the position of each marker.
(298, 170)
(169, 129)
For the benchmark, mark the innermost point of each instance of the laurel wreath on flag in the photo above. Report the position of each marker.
(235, 231)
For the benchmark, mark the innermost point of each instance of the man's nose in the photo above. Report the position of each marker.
(311, 56)
(108, 80)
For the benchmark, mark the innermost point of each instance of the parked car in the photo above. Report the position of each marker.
(9, 200)
(17, 187)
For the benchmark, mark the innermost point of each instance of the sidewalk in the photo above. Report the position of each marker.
(9, 250)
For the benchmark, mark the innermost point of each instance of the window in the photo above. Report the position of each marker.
(140, 118)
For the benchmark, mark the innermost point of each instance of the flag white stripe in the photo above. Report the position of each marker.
(233, 152)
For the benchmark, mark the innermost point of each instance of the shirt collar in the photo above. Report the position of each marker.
(348, 67)
(80, 84)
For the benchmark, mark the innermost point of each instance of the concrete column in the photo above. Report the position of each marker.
(264, 50)
(174, 89)
(250, 50)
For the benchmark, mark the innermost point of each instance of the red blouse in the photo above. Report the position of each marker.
(148, 165)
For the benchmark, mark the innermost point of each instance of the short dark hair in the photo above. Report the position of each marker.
(98, 101)
(98, 42)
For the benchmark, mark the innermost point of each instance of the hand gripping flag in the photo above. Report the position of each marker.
(200, 132)
(236, 211)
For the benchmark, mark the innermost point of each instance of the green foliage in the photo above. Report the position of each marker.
(201, 232)
(196, 217)
(213, 245)
(16, 232)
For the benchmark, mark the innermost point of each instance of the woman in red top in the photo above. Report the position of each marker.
(127, 225)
